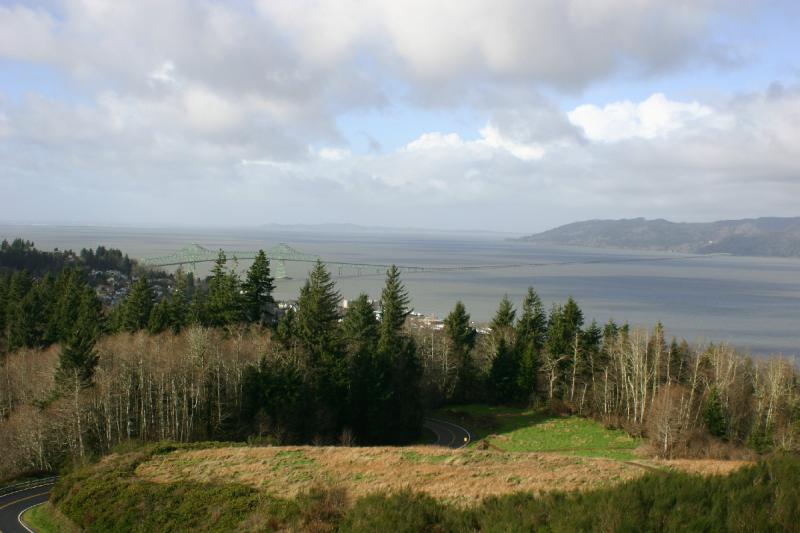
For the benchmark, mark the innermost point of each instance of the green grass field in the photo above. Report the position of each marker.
(523, 430)
(47, 519)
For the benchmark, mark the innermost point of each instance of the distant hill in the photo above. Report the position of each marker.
(775, 237)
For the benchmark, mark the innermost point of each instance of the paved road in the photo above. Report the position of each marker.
(448, 434)
(12, 505)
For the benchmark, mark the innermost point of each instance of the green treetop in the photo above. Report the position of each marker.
(394, 310)
(258, 289)
(138, 306)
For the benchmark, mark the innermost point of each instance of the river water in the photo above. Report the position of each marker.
(753, 303)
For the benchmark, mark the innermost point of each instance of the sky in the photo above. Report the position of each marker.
(503, 115)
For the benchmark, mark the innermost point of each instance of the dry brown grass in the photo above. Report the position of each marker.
(461, 476)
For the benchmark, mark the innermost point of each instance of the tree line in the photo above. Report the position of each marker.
(21, 254)
(211, 360)
(689, 400)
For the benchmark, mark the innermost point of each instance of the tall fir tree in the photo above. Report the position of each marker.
(26, 324)
(503, 375)
(223, 304)
(461, 338)
(69, 287)
(360, 334)
(4, 304)
(258, 287)
(532, 324)
(714, 414)
(48, 292)
(138, 306)
(286, 332)
(399, 417)
(318, 335)
(530, 336)
(180, 304)
(160, 318)
(503, 383)
(394, 311)
(77, 360)
(318, 313)
(505, 315)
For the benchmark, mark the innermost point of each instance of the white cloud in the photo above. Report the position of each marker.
(654, 117)
(164, 74)
(209, 112)
(434, 140)
(334, 154)
(526, 152)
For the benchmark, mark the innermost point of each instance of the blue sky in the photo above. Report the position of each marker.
(513, 115)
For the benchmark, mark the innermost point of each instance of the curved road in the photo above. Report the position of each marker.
(14, 504)
(448, 434)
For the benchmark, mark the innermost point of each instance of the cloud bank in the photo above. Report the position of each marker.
(206, 112)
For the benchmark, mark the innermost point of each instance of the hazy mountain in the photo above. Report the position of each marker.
(769, 236)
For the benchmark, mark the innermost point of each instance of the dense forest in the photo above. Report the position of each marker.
(23, 255)
(217, 359)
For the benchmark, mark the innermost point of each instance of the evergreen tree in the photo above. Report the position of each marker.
(505, 315)
(69, 287)
(197, 308)
(573, 316)
(4, 304)
(318, 336)
(223, 306)
(461, 336)
(258, 287)
(714, 414)
(503, 375)
(531, 333)
(502, 325)
(286, 332)
(48, 293)
(532, 325)
(360, 334)
(160, 318)
(394, 311)
(564, 325)
(360, 327)
(179, 306)
(77, 360)
(26, 326)
(318, 313)
(138, 306)
(19, 285)
(591, 339)
(399, 411)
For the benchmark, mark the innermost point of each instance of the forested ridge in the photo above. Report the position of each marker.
(212, 360)
(767, 236)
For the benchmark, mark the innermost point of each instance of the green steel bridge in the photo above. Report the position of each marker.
(189, 256)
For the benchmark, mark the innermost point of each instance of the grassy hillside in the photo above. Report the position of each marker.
(460, 476)
(119, 494)
(46, 518)
(524, 430)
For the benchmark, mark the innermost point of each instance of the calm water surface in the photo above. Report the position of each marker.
(751, 302)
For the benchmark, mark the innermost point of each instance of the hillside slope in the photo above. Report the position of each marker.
(213, 487)
(776, 237)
